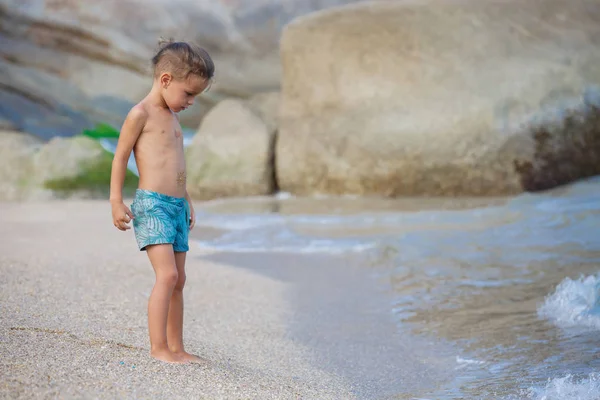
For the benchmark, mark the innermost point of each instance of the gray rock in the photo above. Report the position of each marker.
(66, 65)
(16, 167)
(266, 106)
(232, 153)
(6, 125)
(64, 158)
(440, 98)
(28, 165)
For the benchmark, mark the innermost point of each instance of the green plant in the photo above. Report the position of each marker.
(102, 130)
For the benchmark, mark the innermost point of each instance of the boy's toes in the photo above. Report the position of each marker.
(191, 358)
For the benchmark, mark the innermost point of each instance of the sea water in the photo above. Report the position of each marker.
(513, 284)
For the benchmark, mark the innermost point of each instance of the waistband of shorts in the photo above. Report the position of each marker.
(144, 193)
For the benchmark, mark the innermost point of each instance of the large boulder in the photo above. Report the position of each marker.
(16, 168)
(65, 158)
(266, 106)
(440, 98)
(67, 65)
(232, 153)
(63, 167)
(76, 167)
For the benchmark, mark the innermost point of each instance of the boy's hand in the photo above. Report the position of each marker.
(192, 217)
(121, 216)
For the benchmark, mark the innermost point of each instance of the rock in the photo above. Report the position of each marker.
(44, 99)
(77, 167)
(440, 98)
(16, 167)
(63, 167)
(67, 65)
(266, 106)
(6, 125)
(65, 158)
(232, 153)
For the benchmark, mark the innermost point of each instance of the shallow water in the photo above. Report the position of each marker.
(513, 284)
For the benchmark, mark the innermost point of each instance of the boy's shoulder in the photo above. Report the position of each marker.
(138, 113)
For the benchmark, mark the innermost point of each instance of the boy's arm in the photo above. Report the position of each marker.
(132, 127)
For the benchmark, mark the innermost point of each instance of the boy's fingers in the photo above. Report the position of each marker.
(122, 226)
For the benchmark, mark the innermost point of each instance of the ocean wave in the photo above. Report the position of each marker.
(417, 220)
(237, 222)
(574, 303)
(324, 248)
(283, 240)
(566, 388)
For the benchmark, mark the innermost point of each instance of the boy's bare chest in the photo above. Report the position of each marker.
(165, 133)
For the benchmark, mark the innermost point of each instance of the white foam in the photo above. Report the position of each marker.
(307, 248)
(460, 360)
(281, 238)
(567, 388)
(574, 303)
(243, 221)
(238, 222)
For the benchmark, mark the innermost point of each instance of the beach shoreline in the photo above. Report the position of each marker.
(74, 297)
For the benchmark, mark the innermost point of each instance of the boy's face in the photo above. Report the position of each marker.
(179, 94)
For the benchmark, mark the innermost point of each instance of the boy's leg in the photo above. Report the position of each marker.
(175, 320)
(163, 261)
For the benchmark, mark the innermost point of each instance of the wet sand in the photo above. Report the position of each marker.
(73, 301)
(341, 314)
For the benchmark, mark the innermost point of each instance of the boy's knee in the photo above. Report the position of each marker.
(169, 278)
(180, 282)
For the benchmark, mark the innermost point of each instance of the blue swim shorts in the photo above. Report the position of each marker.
(160, 219)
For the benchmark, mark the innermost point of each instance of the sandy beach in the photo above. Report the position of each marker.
(73, 321)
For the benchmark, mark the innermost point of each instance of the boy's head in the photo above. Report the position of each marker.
(183, 71)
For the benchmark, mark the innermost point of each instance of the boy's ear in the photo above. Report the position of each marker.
(165, 79)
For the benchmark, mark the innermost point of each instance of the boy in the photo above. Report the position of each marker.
(161, 210)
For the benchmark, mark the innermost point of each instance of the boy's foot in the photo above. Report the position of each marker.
(168, 356)
(187, 357)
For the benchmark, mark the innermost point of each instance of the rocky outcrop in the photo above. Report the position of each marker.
(65, 65)
(16, 168)
(440, 98)
(63, 167)
(232, 152)
(64, 158)
(266, 106)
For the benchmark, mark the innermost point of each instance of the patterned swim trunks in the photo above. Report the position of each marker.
(160, 219)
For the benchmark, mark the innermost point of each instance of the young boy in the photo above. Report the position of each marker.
(161, 210)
